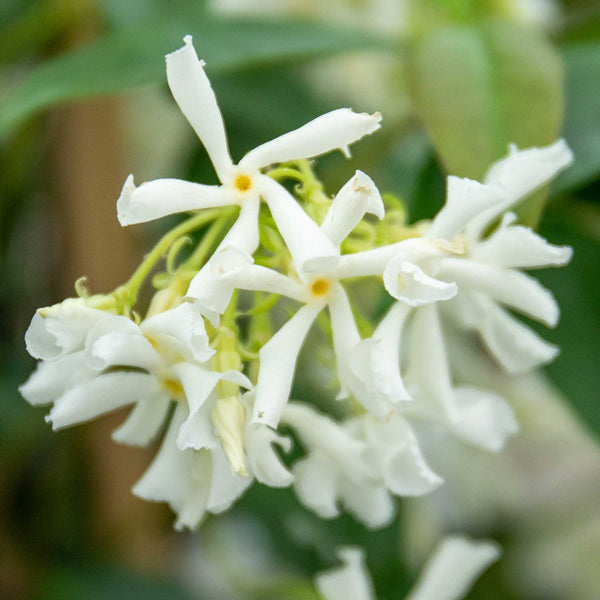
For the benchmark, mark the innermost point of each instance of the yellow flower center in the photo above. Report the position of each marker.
(173, 388)
(320, 287)
(242, 183)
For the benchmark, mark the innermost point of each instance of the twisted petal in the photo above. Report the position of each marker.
(145, 421)
(236, 268)
(369, 502)
(51, 379)
(334, 130)
(60, 329)
(519, 174)
(517, 247)
(358, 197)
(409, 284)
(194, 95)
(395, 454)
(266, 465)
(277, 365)
(486, 420)
(350, 581)
(428, 360)
(515, 346)
(513, 288)
(465, 200)
(211, 295)
(453, 568)
(162, 197)
(316, 484)
(225, 487)
(302, 235)
(99, 396)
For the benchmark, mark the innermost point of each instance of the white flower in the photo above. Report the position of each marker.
(316, 291)
(241, 184)
(335, 470)
(448, 575)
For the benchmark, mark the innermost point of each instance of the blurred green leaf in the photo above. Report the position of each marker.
(478, 88)
(134, 57)
(582, 120)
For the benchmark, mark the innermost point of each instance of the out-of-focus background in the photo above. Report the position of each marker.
(83, 103)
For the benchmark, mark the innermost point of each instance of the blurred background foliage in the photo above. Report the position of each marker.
(84, 102)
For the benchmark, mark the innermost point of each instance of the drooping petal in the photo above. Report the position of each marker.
(51, 379)
(517, 247)
(515, 346)
(180, 477)
(212, 295)
(316, 484)
(57, 330)
(266, 465)
(334, 130)
(182, 328)
(145, 421)
(196, 99)
(237, 268)
(358, 197)
(351, 581)
(519, 174)
(225, 486)
(453, 568)
(486, 420)
(277, 365)
(395, 453)
(369, 502)
(513, 288)
(161, 197)
(406, 282)
(465, 199)
(99, 396)
(302, 235)
(428, 361)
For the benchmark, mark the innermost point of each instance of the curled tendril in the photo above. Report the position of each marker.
(81, 287)
(174, 252)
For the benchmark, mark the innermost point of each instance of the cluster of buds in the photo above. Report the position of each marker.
(204, 369)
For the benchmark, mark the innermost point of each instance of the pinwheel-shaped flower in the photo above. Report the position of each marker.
(241, 184)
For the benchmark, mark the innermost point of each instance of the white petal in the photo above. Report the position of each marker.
(62, 329)
(517, 247)
(183, 329)
(465, 200)
(52, 379)
(486, 420)
(316, 484)
(515, 346)
(181, 478)
(348, 582)
(266, 465)
(370, 503)
(162, 197)
(428, 365)
(212, 295)
(385, 354)
(277, 365)
(99, 396)
(236, 267)
(334, 130)
(513, 288)
(145, 421)
(122, 349)
(396, 454)
(409, 284)
(521, 173)
(302, 235)
(225, 487)
(453, 568)
(358, 197)
(196, 99)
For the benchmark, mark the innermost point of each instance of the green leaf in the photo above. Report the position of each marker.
(582, 122)
(126, 59)
(478, 88)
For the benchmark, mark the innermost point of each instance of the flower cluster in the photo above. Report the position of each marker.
(203, 368)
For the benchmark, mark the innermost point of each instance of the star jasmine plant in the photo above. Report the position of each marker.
(207, 366)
